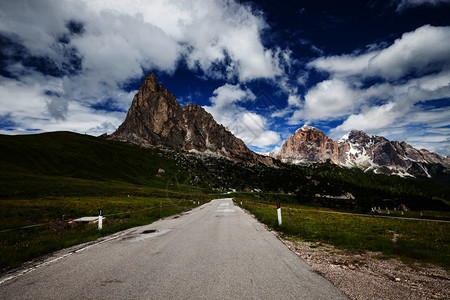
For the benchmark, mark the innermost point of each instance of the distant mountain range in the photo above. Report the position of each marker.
(309, 145)
(156, 118)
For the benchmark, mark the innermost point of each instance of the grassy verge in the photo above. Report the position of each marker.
(21, 244)
(420, 241)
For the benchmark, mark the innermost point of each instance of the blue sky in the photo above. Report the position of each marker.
(261, 68)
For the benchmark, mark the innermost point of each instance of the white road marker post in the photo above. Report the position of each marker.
(279, 213)
(100, 219)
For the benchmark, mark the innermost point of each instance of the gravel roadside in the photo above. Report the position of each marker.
(364, 276)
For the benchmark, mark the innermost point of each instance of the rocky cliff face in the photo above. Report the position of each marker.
(156, 118)
(308, 145)
(390, 157)
(356, 149)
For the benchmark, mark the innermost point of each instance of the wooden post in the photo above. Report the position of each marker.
(262, 210)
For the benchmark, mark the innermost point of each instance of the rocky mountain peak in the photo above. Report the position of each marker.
(156, 118)
(307, 128)
(358, 137)
(306, 145)
(357, 149)
(151, 86)
(151, 82)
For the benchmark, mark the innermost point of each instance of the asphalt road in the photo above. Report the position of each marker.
(215, 251)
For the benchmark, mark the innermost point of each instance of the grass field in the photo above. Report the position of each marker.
(410, 240)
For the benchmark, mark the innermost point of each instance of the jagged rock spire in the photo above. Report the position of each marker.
(156, 118)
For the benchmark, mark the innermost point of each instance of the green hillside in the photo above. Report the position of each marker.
(79, 156)
(65, 164)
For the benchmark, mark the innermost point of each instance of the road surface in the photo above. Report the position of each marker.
(215, 251)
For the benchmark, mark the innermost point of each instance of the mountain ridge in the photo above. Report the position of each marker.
(356, 149)
(155, 118)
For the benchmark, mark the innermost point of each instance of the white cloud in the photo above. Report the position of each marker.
(118, 39)
(253, 130)
(344, 95)
(85, 120)
(410, 54)
(29, 108)
(343, 65)
(19, 100)
(403, 109)
(251, 127)
(156, 33)
(294, 100)
(209, 33)
(225, 30)
(330, 99)
(302, 78)
(31, 22)
(228, 94)
(404, 4)
(375, 117)
(432, 138)
(438, 118)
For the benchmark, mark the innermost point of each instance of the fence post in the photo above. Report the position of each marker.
(279, 213)
(262, 210)
(100, 219)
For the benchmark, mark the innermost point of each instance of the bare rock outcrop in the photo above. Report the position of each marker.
(308, 145)
(156, 118)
